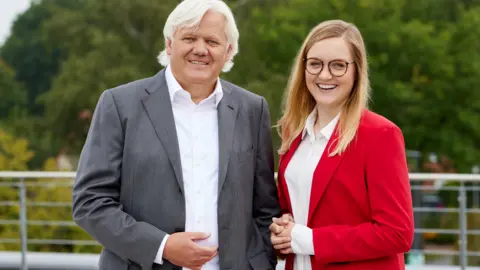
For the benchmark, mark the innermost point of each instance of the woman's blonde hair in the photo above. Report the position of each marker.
(299, 103)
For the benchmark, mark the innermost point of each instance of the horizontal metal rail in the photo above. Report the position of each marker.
(24, 181)
(457, 177)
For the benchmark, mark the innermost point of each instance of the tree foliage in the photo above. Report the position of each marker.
(12, 93)
(25, 50)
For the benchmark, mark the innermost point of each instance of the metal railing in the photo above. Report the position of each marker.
(462, 209)
(23, 180)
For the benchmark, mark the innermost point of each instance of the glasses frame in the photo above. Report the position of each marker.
(328, 65)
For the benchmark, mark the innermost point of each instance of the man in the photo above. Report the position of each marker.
(177, 169)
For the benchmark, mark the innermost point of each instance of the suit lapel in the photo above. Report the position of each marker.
(227, 115)
(159, 109)
(285, 159)
(324, 171)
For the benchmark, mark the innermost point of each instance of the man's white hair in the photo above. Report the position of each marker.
(188, 14)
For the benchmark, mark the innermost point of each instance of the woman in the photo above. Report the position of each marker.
(342, 175)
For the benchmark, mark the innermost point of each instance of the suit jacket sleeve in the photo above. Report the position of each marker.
(96, 192)
(390, 231)
(265, 201)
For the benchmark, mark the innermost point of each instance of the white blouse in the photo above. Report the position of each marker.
(299, 176)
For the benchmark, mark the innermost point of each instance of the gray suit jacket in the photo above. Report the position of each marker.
(129, 189)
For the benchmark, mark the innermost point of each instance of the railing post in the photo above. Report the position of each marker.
(462, 200)
(23, 224)
(417, 257)
(475, 191)
(475, 187)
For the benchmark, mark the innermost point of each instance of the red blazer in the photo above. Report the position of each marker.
(360, 204)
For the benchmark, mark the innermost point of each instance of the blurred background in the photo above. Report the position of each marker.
(57, 56)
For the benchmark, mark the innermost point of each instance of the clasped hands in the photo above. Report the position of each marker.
(181, 249)
(281, 233)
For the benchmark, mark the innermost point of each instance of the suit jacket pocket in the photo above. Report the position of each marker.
(260, 262)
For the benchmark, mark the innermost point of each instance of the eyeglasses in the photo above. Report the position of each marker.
(337, 68)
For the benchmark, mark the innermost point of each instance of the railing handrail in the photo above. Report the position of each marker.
(19, 179)
(37, 174)
(457, 177)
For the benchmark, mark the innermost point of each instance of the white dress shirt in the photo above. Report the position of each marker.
(299, 176)
(197, 132)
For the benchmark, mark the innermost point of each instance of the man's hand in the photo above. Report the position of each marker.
(180, 249)
(280, 233)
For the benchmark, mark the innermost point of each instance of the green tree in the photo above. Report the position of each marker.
(35, 63)
(26, 52)
(12, 93)
(110, 43)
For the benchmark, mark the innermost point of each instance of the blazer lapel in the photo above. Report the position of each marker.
(159, 109)
(324, 171)
(227, 115)
(285, 159)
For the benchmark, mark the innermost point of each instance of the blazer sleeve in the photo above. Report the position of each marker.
(96, 192)
(282, 200)
(282, 197)
(391, 229)
(265, 200)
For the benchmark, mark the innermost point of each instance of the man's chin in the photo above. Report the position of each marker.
(200, 78)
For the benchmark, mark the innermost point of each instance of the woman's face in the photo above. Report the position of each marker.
(330, 72)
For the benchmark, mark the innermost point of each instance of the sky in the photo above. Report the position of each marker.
(9, 10)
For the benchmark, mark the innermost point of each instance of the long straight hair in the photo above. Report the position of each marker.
(298, 103)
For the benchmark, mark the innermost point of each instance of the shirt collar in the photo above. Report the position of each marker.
(326, 132)
(174, 87)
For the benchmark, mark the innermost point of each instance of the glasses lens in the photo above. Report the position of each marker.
(338, 68)
(314, 66)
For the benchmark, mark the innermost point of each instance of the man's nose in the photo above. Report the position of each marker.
(200, 47)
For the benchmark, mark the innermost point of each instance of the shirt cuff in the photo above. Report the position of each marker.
(159, 258)
(302, 240)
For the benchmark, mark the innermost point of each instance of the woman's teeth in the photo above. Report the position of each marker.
(327, 86)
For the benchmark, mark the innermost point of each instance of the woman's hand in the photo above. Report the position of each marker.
(280, 233)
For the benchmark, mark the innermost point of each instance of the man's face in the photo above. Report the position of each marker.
(198, 55)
